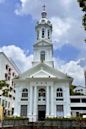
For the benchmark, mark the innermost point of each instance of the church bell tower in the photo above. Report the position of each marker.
(43, 48)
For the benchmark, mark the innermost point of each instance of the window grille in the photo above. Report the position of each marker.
(24, 110)
(59, 108)
(41, 93)
(43, 32)
(59, 92)
(25, 92)
(42, 55)
(48, 34)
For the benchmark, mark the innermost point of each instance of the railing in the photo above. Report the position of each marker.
(52, 124)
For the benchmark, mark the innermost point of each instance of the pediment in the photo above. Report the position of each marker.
(43, 43)
(43, 71)
(42, 74)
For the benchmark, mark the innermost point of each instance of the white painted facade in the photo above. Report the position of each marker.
(42, 91)
(78, 105)
(8, 70)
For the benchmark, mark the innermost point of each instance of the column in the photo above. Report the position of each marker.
(17, 104)
(67, 110)
(35, 104)
(30, 104)
(52, 101)
(47, 101)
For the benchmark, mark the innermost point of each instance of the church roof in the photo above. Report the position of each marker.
(42, 70)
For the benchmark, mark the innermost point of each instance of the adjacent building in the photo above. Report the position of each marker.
(78, 105)
(80, 89)
(8, 70)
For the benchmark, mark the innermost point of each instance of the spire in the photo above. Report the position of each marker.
(44, 14)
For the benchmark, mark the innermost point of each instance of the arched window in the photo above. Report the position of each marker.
(37, 34)
(25, 92)
(48, 34)
(43, 32)
(42, 55)
(59, 92)
(42, 93)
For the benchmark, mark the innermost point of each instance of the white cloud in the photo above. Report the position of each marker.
(67, 31)
(60, 30)
(19, 56)
(73, 69)
(34, 7)
(27, 7)
(66, 2)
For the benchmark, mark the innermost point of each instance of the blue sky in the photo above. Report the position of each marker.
(17, 30)
(17, 33)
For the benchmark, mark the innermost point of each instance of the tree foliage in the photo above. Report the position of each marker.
(3, 84)
(72, 87)
(82, 4)
(4, 87)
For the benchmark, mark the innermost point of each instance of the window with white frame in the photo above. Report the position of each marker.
(42, 55)
(48, 34)
(37, 34)
(42, 92)
(25, 92)
(59, 108)
(23, 110)
(59, 92)
(43, 32)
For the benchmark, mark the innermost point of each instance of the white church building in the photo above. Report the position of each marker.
(43, 91)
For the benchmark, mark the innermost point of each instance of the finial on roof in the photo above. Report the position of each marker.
(44, 7)
(44, 14)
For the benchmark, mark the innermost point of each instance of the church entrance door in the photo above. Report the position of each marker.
(41, 112)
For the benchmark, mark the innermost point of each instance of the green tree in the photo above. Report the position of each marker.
(3, 84)
(82, 4)
(4, 87)
(72, 87)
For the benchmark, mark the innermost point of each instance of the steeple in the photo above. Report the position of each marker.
(44, 27)
(43, 48)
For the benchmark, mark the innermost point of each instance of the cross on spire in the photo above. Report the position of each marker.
(44, 7)
(44, 14)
